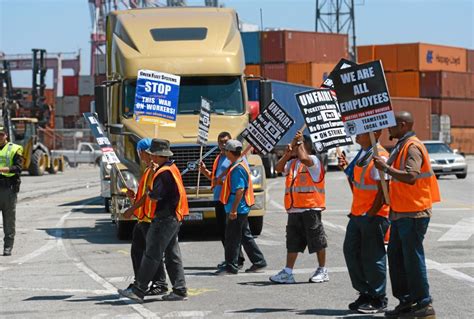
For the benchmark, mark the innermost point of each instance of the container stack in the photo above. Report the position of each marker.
(78, 93)
(443, 74)
(299, 57)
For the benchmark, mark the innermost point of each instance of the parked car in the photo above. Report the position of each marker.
(350, 151)
(85, 153)
(445, 161)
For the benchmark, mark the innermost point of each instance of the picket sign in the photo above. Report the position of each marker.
(203, 132)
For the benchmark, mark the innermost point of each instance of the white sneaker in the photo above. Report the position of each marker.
(320, 275)
(283, 278)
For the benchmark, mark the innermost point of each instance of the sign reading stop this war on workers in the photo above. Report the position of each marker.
(268, 128)
(156, 98)
(204, 122)
(104, 143)
(322, 119)
(363, 98)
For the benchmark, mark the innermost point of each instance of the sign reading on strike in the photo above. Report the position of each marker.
(363, 98)
(156, 98)
(102, 140)
(204, 121)
(322, 119)
(268, 128)
(343, 64)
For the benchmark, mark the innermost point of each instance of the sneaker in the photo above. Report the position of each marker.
(172, 296)
(402, 309)
(363, 298)
(255, 268)
(224, 272)
(320, 275)
(129, 293)
(375, 305)
(156, 290)
(283, 278)
(224, 264)
(7, 251)
(424, 312)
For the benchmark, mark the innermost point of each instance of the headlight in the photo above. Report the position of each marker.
(130, 181)
(257, 174)
(432, 161)
(459, 160)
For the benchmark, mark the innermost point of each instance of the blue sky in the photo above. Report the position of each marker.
(65, 25)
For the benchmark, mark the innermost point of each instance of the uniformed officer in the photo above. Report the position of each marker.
(11, 163)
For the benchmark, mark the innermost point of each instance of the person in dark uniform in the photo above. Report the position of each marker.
(11, 164)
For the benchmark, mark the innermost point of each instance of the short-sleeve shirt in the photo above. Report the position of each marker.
(222, 166)
(238, 180)
(374, 172)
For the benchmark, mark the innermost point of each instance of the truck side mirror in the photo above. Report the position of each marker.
(100, 92)
(265, 94)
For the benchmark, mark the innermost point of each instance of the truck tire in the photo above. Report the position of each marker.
(461, 176)
(124, 229)
(256, 225)
(54, 166)
(38, 163)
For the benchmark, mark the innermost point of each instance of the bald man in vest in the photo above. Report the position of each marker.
(413, 190)
(11, 164)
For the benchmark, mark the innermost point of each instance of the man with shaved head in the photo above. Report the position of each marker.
(413, 190)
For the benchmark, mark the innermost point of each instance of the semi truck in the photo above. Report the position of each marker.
(203, 46)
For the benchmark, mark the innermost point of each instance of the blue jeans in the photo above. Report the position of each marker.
(365, 254)
(406, 258)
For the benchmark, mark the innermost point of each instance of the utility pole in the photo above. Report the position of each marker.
(337, 16)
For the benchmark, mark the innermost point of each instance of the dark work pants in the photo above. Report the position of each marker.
(406, 258)
(8, 208)
(238, 233)
(221, 218)
(365, 254)
(162, 239)
(138, 248)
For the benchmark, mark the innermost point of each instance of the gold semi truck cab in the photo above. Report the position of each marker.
(202, 46)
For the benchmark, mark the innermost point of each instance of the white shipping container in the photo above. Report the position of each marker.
(100, 64)
(86, 85)
(67, 106)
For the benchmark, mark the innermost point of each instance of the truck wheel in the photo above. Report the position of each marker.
(461, 176)
(54, 166)
(124, 229)
(256, 225)
(38, 163)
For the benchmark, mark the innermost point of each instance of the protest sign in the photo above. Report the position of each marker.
(104, 143)
(204, 121)
(341, 65)
(156, 98)
(322, 119)
(268, 128)
(363, 98)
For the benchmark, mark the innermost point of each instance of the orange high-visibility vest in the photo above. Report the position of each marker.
(365, 188)
(182, 209)
(301, 191)
(248, 195)
(406, 198)
(145, 212)
(214, 170)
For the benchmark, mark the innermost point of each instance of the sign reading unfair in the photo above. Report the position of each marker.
(204, 121)
(104, 143)
(363, 98)
(156, 98)
(322, 119)
(268, 128)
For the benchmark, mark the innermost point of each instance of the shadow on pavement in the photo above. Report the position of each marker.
(263, 310)
(266, 283)
(339, 313)
(96, 200)
(41, 298)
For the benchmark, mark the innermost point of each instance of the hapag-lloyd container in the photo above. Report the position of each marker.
(461, 112)
(430, 57)
(447, 85)
(403, 84)
(310, 74)
(274, 71)
(421, 111)
(470, 60)
(298, 46)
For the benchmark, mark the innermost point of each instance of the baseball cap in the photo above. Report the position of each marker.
(143, 144)
(233, 145)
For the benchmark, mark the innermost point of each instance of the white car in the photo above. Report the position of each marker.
(445, 161)
(350, 151)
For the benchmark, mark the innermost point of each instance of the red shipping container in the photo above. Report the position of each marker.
(443, 84)
(470, 61)
(275, 71)
(461, 112)
(70, 85)
(462, 139)
(100, 78)
(85, 103)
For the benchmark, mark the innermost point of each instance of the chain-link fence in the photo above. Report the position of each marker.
(64, 139)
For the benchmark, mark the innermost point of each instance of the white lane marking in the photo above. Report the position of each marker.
(268, 242)
(187, 314)
(450, 272)
(73, 291)
(461, 231)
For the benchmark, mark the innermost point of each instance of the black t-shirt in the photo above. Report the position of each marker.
(165, 191)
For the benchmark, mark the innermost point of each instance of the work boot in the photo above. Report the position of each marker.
(132, 294)
(156, 290)
(7, 251)
(402, 309)
(375, 305)
(422, 312)
(363, 298)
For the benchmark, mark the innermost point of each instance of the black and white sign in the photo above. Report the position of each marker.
(204, 121)
(363, 98)
(102, 140)
(343, 64)
(322, 119)
(268, 128)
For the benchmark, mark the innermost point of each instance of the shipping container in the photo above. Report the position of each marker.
(70, 85)
(86, 85)
(85, 103)
(251, 42)
(470, 60)
(365, 53)
(441, 84)
(297, 46)
(253, 69)
(461, 139)
(403, 84)
(253, 90)
(48, 94)
(98, 79)
(274, 71)
(461, 112)
(100, 67)
(310, 74)
(388, 55)
(430, 57)
(421, 111)
(67, 106)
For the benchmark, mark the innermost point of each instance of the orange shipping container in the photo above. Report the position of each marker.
(365, 53)
(470, 60)
(461, 139)
(447, 85)
(388, 55)
(253, 69)
(311, 74)
(430, 57)
(403, 84)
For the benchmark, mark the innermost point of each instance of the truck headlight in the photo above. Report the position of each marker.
(256, 174)
(130, 181)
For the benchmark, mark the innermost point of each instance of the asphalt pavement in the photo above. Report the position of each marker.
(67, 262)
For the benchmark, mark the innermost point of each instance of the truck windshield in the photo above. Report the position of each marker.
(225, 93)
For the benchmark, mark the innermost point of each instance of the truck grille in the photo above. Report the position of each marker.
(183, 155)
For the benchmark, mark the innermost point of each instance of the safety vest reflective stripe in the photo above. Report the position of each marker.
(304, 189)
(365, 187)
